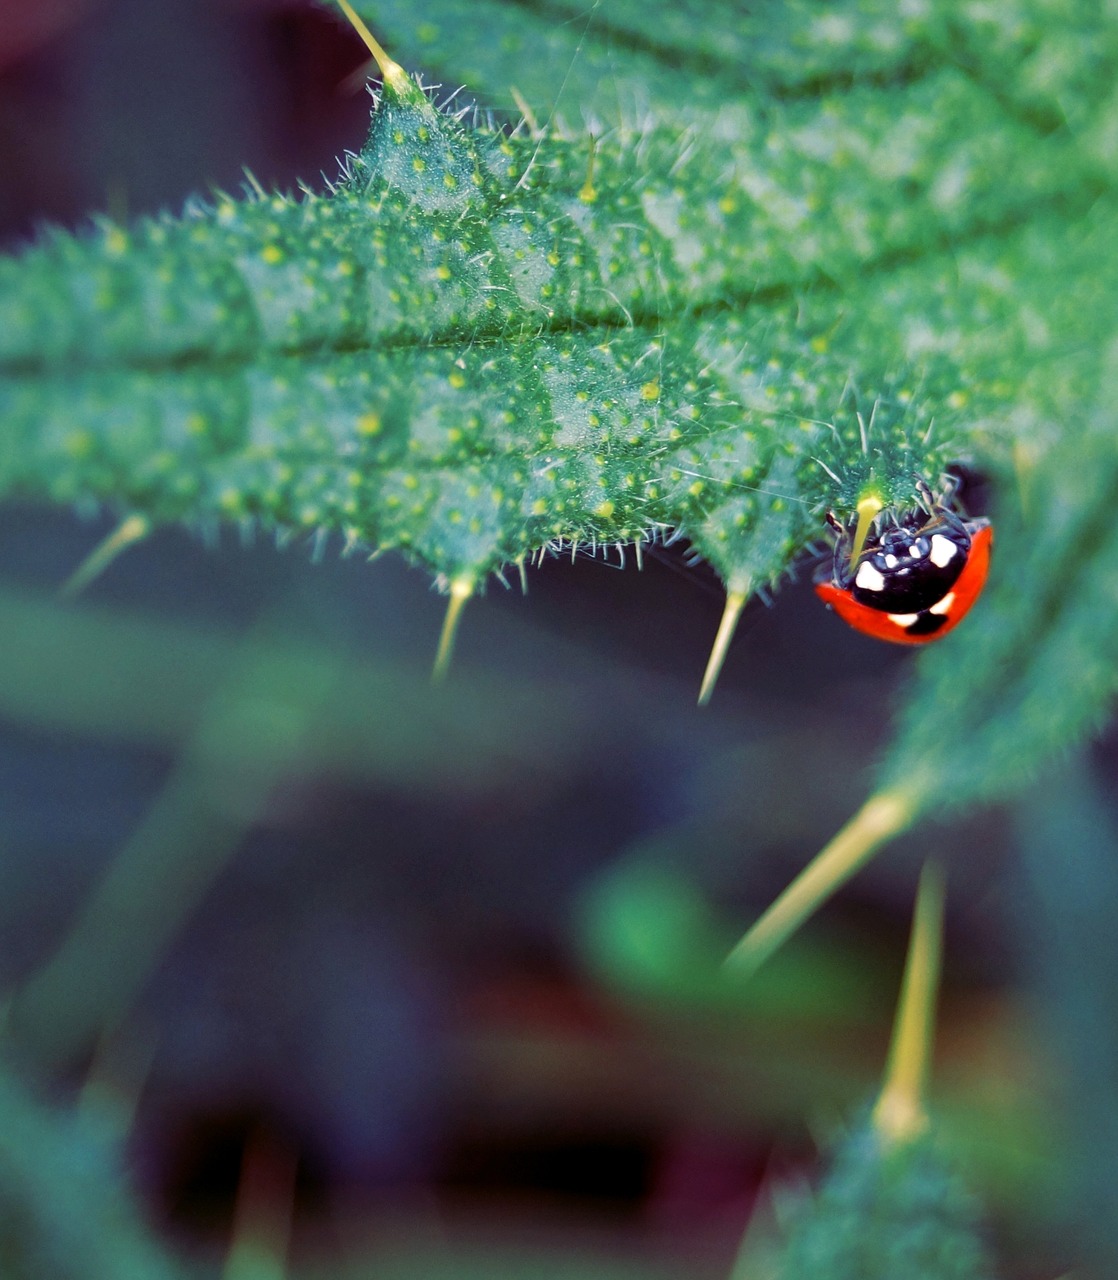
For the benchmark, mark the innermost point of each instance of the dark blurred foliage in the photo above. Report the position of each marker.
(476, 997)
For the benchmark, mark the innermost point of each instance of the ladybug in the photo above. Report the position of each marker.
(912, 581)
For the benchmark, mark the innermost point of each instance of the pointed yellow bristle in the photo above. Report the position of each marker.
(461, 589)
(900, 1114)
(130, 531)
(393, 75)
(735, 603)
(534, 131)
(883, 816)
(868, 510)
(263, 1213)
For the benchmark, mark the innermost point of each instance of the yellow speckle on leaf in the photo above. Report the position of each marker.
(369, 424)
(272, 253)
(457, 378)
(727, 204)
(957, 399)
(650, 391)
(418, 164)
(819, 345)
(116, 242)
(80, 444)
(411, 481)
(539, 507)
(443, 272)
(604, 509)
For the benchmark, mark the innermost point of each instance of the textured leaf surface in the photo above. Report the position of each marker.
(884, 1213)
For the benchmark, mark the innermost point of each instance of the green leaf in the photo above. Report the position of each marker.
(466, 352)
(65, 1208)
(801, 254)
(887, 1211)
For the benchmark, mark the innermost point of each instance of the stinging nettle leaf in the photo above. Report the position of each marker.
(825, 251)
(479, 344)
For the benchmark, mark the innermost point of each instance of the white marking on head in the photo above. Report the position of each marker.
(903, 619)
(868, 578)
(943, 550)
(944, 605)
(914, 551)
(890, 562)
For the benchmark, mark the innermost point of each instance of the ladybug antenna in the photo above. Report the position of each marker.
(735, 603)
(461, 589)
(868, 508)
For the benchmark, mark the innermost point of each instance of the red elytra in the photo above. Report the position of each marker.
(929, 624)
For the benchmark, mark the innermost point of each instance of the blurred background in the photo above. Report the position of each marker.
(447, 959)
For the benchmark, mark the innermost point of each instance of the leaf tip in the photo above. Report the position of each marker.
(395, 78)
(262, 1216)
(461, 589)
(869, 507)
(735, 603)
(900, 1114)
(130, 531)
(884, 815)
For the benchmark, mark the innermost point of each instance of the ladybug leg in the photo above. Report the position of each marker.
(840, 572)
(941, 507)
(927, 497)
(954, 522)
(940, 511)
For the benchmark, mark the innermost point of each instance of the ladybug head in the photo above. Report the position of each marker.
(909, 566)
